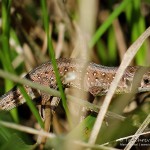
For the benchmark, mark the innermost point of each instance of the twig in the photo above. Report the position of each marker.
(138, 132)
(132, 50)
(50, 135)
(56, 93)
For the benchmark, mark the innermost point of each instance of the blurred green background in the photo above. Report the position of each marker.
(33, 32)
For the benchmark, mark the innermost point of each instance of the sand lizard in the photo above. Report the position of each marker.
(89, 77)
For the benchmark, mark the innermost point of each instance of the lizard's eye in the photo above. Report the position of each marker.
(146, 81)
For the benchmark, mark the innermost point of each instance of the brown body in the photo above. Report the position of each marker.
(89, 77)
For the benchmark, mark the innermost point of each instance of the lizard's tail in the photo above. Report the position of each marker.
(11, 99)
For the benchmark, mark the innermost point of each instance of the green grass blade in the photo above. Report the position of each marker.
(138, 26)
(31, 106)
(52, 55)
(5, 54)
(83, 130)
(108, 22)
(102, 53)
(6, 59)
(112, 48)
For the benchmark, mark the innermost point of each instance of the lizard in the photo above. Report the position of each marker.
(76, 73)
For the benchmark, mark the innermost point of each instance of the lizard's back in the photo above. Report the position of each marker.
(77, 73)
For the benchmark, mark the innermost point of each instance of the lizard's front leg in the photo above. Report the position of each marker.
(46, 114)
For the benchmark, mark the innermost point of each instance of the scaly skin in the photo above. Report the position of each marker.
(89, 77)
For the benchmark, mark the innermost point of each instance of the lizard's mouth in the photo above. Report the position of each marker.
(143, 89)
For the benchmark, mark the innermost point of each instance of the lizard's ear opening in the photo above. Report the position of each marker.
(27, 76)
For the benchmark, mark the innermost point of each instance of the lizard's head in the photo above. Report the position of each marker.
(145, 83)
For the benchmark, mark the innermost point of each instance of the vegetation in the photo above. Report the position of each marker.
(33, 32)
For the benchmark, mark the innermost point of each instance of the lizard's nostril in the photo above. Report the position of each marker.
(128, 82)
